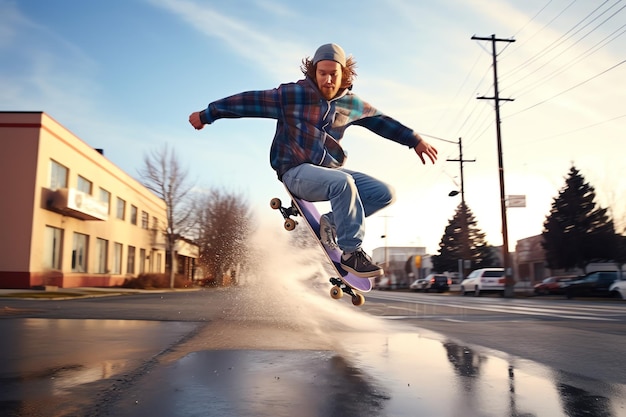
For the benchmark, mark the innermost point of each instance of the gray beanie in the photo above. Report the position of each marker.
(330, 52)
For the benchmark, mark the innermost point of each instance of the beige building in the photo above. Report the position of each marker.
(68, 216)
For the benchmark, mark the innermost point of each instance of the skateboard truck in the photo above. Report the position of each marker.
(339, 288)
(287, 212)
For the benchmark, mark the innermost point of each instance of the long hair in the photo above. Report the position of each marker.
(347, 76)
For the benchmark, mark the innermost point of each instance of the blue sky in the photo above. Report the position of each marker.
(124, 76)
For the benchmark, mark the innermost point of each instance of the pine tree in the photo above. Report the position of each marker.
(463, 239)
(576, 232)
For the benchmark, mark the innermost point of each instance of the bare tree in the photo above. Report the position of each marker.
(164, 175)
(224, 226)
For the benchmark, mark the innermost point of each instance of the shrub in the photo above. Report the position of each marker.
(152, 280)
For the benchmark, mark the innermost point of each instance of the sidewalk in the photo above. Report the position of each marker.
(55, 293)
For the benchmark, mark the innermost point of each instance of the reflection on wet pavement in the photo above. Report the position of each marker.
(389, 369)
(255, 383)
(43, 360)
(412, 369)
(396, 374)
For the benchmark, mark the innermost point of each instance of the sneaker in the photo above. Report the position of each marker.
(328, 232)
(360, 264)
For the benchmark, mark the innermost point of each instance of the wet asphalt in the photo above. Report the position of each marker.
(287, 351)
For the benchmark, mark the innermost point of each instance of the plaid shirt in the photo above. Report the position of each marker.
(309, 127)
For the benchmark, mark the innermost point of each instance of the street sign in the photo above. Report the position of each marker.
(516, 201)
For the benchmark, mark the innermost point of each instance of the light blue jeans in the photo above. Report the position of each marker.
(352, 195)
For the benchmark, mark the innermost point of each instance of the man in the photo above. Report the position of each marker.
(312, 115)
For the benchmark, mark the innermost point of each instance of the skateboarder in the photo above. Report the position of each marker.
(312, 115)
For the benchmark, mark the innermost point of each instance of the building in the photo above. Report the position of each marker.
(399, 263)
(69, 217)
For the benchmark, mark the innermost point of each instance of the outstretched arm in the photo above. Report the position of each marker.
(425, 148)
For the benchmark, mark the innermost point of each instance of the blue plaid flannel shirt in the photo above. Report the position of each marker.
(309, 127)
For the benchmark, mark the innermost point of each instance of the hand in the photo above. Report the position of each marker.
(194, 119)
(425, 148)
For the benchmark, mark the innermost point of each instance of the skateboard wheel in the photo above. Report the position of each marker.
(358, 299)
(336, 293)
(275, 203)
(290, 224)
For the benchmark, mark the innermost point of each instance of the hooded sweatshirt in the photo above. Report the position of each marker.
(308, 127)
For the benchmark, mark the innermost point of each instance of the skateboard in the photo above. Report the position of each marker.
(344, 282)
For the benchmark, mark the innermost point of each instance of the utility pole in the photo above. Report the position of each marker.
(465, 253)
(509, 283)
(461, 161)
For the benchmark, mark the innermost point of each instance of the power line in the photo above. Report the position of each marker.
(568, 89)
(561, 41)
(556, 42)
(567, 66)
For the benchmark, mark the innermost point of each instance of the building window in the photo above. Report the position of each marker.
(145, 219)
(130, 264)
(155, 223)
(133, 214)
(117, 258)
(105, 197)
(159, 262)
(121, 208)
(79, 253)
(53, 243)
(58, 176)
(84, 185)
(102, 253)
(142, 261)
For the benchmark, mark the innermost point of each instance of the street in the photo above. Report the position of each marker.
(285, 348)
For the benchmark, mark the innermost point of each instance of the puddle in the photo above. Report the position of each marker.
(443, 378)
(44, 360)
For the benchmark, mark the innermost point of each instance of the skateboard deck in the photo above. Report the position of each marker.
(344, 282)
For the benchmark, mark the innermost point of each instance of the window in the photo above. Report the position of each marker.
(83, 185)
(155, 223)
(133, 214)
(145, 219)
(58, 176)
(105, 197)
(53, 243)
(102, 249)
(142, 261)
(130, 263)
(159, 261)
(121, 208)
(79, 253)
(117, 258)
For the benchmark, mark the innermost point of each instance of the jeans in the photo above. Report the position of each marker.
(352, 195)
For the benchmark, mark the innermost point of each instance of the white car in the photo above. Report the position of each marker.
(484, 280)
(618, 289)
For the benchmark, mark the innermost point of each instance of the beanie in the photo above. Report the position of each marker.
(330, 52)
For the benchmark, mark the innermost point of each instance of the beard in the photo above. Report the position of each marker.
(329, 92)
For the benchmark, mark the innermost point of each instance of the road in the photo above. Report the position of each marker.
(580, 336)
(288, 349)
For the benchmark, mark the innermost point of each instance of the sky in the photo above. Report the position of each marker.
(124, 75)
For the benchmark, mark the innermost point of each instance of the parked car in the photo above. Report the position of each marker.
(618, 289)
(438, 282)
(552, 285)
(484, 280)
(418, 285)
(433, 282)
(595, 283)
(386, 282)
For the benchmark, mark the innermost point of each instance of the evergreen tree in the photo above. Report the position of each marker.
(463, 239)
(575, 232)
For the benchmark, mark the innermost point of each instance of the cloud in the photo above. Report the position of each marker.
(49, 73)
(273, 54)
